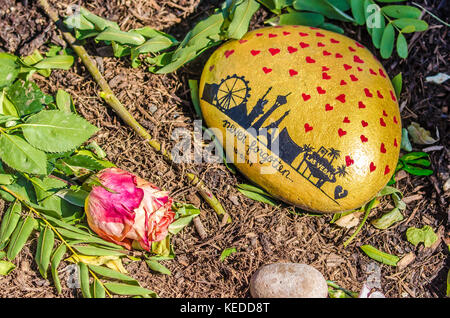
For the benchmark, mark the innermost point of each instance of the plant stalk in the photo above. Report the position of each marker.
(108, 95)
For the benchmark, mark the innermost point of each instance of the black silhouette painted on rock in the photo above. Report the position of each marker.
(231, 96)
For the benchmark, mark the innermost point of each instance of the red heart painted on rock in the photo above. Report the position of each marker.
(367, 92)
(364, 123)
(303, 45)
(387, 170)
(324, 69)
(357, 59)
(349, 161)
(255, 52)
(266, 70)
(308, 128)
(383, 148)
(259, 34)
(303, 34)
(211, 68)
(341, 98)
(242, 41)
(343, 82)
(359, 69)
(353, 78)
(372, 167)
(351, 49)
(274, 51)
(320, 90)
(382, 123)
(325, 76)
(334, 40)
(393, 96)
(228, 53)
(338, 55)
(306, 96)
(341, 132)
(286, 33)
(347, 67)
(328, 107)
(320, 44)
(395, 120)
(346, 120)
(271, 35)
(320, 34)
(395, 142)
(310, 60)
(384, 113)
(292, 49)
(379, 94)
(361, 105)
(359, 45)
(326, 53)
(364, 138)
(372, 72)
(293, 72)
(381, 72)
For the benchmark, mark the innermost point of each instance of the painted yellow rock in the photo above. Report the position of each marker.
(309, 115)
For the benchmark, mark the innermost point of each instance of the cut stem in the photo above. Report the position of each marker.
(108, 95)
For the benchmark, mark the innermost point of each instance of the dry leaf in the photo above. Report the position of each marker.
(350, 220)
(406, 260)
(420, 135)
(439, 78)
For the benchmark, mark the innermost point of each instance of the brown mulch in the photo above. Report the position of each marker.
(261, 234)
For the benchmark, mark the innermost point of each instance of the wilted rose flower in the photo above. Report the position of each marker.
(127, 208)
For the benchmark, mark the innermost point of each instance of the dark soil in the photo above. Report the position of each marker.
(261, 234)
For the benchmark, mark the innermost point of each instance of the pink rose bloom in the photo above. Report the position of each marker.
(138, 211)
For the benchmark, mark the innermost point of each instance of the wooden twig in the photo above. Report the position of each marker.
(108, 95)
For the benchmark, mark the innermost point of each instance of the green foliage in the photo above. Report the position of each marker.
(227, 252)
(382, 22)
(380, 256)
(424, 235)
(257, 194)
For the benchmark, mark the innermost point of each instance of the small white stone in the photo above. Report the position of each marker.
(288, 280)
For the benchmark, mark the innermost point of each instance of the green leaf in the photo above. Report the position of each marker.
(96, 251)
(2, 254)
(414, 156)
(112, 274)
(97, 290)
(242, 15)
(84, 238)
(387, 41)
(227, 252)
(57, 131)
(405, 144)
(401, 11)
(389, 1)
(56, 258)
(155, 44)
(121, 37)
(75, 197)
(402, 46)
(419, 25)
(388, 219)
(20, 236)
(324, 7)
(377, 32)
(425, 235)
(6, 179)
(84, 280)
(100, 23)
(158, 267)
(64, 101)
(332, 27)
(299, 18)
(27, 97)
(7, 109)
(397, 82)
(8, 69)
(63, 62)
(193, 85)
(131, 290)
(82, 161)
(380, 256)
(179, 224)
(258, 197)
(21, 156)
(6, 267)
(417, 171)
(44, 250)
(9, 221)
(408, 29)
(357, 7)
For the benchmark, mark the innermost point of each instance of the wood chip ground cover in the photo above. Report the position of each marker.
(260, 233)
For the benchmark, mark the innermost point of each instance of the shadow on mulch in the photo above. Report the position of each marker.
(261, 234)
